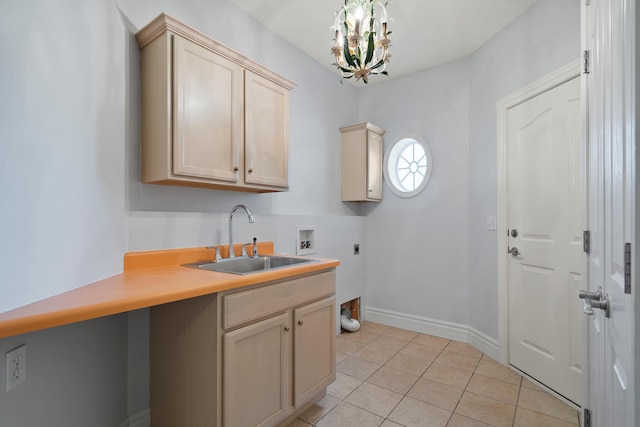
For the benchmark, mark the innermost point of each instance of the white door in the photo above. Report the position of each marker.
(545, 238)
(609, 36)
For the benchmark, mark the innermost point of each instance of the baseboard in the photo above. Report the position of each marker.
(141, 419)
(484, 343)
(439, 328)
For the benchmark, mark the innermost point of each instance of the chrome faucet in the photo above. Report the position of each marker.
(235, 208)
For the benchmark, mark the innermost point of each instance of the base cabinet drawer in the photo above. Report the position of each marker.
(245, 306)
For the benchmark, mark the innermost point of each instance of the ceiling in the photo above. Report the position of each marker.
(426, 33)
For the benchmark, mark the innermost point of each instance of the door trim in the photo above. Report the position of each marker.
(541, 85)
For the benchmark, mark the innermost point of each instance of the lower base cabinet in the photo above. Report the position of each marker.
(244, 358)
(257, 373)
(314, 333)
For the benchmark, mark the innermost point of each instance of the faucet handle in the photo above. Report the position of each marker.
(217, 249)
(254, 248)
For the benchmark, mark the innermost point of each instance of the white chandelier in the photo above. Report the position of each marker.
(361, 39)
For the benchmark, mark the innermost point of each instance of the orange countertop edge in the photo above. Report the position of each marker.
(149, 278)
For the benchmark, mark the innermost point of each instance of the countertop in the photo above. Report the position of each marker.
(149, 278)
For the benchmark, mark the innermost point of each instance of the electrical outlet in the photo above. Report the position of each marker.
(356, 249)
(15, 367)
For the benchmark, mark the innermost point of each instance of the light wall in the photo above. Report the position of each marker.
(74, 204)
(416, 258)
(76, 376)
(63, 222)
(543, 39)
(431, 259)
(69, 175)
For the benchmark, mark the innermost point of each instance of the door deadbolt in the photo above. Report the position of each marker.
(514, 233)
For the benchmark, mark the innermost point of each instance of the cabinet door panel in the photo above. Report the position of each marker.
(208, 113)
(257, 373)
(266, 131)
(314, 349)
(374, 166)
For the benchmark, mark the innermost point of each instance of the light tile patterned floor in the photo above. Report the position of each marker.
(393, 377)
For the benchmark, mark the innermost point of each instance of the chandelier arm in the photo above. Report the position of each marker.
(370, 48)
(379, 64)
(347, 52)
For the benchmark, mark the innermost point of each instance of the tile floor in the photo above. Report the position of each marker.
(393, 377)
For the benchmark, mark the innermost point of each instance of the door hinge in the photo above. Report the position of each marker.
(627, 268)
(587, 418)
(586, 241)
(585, 62)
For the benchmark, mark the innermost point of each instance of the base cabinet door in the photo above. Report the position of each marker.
(314, 349)
(257, 373)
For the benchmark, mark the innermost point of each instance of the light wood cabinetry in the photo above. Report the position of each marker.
(362, 153)
(210, 116)
(255, 356)
(266, 131)
(208, 111)
(314, 366)
(257, 373)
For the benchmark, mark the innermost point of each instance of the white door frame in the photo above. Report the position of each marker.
(541, 85)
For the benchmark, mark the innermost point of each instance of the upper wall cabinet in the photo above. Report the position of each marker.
(362, 163)
(210, 116)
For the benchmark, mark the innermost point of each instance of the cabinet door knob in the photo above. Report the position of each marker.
(236, 169)
(300, 322)
(286, 329)
(250, 170)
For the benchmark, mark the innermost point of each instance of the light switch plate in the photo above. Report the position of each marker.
(491, 223)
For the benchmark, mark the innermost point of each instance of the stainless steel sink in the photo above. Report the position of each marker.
(250, 265)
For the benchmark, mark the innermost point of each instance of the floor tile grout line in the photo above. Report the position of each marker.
(463, 391)
(428, 365)
(517, 404)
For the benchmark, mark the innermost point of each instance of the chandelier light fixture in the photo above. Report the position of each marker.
(361, 40)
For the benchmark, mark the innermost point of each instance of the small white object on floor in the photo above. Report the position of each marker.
(346, 322)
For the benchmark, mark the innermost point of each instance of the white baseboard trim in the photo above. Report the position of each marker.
(141, 419)
(439, 328)
(484, 343)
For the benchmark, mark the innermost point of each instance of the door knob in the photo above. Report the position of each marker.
(514, 251)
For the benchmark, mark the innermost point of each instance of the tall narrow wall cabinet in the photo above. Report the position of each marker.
(362, 155)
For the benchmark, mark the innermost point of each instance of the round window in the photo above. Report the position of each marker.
(407, 165)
